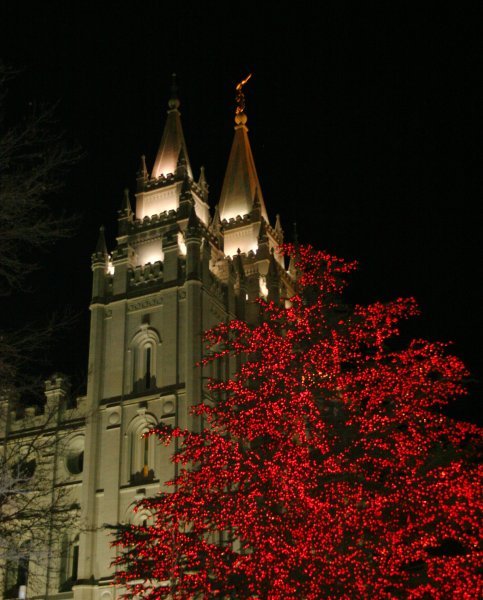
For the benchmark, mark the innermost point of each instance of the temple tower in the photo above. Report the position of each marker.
(175, 271)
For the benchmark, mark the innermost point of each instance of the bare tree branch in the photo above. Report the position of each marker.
(37, 504)
(34, 159)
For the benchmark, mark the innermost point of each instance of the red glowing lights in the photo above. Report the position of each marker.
(324, 468)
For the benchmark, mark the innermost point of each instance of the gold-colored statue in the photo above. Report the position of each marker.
(240, 96)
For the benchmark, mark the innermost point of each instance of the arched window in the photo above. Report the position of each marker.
(141, 452)
(17, 571)
(69, 562)
(138, 517)
(74, 455)
(23, 470)
(143, 353)
(147, 365)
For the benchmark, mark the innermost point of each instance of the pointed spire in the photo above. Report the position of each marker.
(101, 246)
(125, 214)
(292, 269)
(100, 256)
(142, 176)
(203, 183)
(241, 179)
(172, 141)
(278, 225)
(215, 225)
(143, 170)
(126, 203)
(193, 221)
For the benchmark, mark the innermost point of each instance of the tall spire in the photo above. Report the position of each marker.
(172, 141)
(203, 184)
(101, 246)
(241, 183)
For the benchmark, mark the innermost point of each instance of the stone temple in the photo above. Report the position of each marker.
(178, 268)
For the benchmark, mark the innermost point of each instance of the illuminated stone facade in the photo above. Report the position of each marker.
(175, 272)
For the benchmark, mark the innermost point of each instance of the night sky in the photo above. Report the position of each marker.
(363, 123)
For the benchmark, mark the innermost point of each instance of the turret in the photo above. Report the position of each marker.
(125, 214)
(203, 185)
(99, 265)
(142, 175)
(57, 389)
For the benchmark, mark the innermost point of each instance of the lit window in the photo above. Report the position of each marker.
(143, 355)
(141, 450)
(147, 366)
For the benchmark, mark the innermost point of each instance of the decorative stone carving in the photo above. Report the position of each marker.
(145, 303)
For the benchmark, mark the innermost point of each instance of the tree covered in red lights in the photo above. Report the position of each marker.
(325, 468)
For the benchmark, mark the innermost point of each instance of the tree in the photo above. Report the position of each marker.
(325, 468)
(33, 160)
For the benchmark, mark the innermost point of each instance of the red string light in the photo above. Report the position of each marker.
(324, 470)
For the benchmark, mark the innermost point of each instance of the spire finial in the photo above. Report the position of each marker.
(240, 116)
(173, 100)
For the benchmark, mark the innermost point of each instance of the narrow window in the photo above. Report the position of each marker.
(148, 367)
(145, 457)
(134, 370)
(75, 561)
(23, 570)
(17, 572)
(64, 562)
(11, 579)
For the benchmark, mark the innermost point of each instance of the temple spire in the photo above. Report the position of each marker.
(101, 246)
(172, 141)
(241, 184)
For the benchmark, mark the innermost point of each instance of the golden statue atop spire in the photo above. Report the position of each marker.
(240, 117)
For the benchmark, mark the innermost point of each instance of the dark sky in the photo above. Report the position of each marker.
(363, 122)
